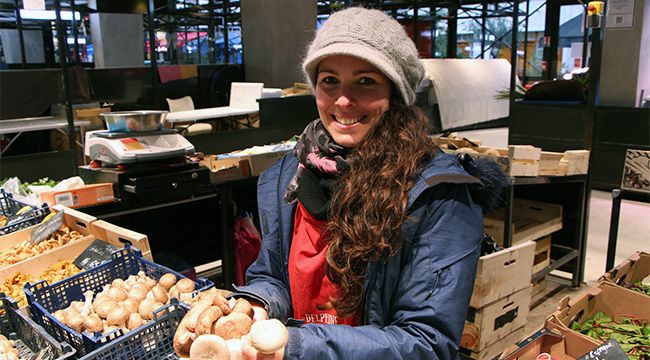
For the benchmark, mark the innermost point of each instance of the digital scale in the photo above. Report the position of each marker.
(119, 148)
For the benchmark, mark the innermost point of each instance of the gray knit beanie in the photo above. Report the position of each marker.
(372, 36)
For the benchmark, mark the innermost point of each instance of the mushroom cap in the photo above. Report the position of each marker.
(209, 347)
(168, 280)
(268, 336)
(185, 285)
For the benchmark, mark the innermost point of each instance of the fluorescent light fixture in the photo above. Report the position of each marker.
(79, 41)
(47, 14)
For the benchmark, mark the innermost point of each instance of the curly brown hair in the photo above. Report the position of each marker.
(370, 201)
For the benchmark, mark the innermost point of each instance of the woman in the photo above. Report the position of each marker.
(370, 236)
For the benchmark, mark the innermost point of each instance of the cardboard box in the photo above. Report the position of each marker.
(88, 195)
(493, 350)
(553, 340)
(261, 162)
(502, 273)
(489, 324)
(612, 300)
(531, 220)
(542, 254)
(635, 268)
(228, 169)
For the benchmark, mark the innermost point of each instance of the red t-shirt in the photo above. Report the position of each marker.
(310, 288)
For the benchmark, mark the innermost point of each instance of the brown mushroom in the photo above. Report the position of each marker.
(232, 326)
(268, 336)
(206, 319)
(185, 286)
(244, 307)
(167, 281)
(209, 347)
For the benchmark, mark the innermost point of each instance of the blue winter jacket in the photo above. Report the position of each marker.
(415, 302)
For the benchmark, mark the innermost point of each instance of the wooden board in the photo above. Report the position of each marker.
(494, 350)
(531, 220)
(487, 325)
(542, 257)
(119, 236)
(502, 273)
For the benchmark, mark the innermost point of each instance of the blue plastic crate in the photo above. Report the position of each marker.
(45, 299)
(29, 338)
(154, 340)
(10, 206)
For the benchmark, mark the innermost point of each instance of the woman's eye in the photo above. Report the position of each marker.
(329, 80)
(366, 81)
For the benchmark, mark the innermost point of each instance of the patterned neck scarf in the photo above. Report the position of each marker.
(317, 151)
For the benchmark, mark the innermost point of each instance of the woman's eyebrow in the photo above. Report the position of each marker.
(331, 71)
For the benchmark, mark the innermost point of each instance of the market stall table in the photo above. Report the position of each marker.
(19, 126)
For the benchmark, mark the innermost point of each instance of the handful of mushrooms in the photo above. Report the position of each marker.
(7, 349)
(212, 329)
(124, 304)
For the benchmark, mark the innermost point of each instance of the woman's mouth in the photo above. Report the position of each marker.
(348, 120)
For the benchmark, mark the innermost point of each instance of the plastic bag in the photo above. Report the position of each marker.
(247, 245)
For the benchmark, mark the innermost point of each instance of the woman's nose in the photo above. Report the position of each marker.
(344, 98)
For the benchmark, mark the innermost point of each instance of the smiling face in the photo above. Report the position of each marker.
(351, 96)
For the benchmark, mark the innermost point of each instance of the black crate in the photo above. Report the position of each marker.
(10, 206)
(45, 299)
(152, 341)
(28, 337)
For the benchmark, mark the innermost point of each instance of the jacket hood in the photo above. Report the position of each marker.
(484, 177)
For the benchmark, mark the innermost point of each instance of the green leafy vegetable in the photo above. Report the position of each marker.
(633, 334)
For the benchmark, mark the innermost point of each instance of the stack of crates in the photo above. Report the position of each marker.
(531, 221)
(500, 302)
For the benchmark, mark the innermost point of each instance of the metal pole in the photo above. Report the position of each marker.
(483, 25)
(585, 42)
(525, 43)
(198, 43)
(19, 24)
(452, 19)
(513, 50)
(74, 33)
(613, 229)
(152, 55)
(434, 25)
(226, 47)
(212, 52)
(63, 53)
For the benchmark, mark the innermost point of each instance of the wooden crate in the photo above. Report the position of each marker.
(487, 325)
(570, 162)
(531, 220)
(539, 287)
(94, 229)
(493, 350)
(634, 268)
(542, 257)
(73, 219)
(502, 273)
(523, 160)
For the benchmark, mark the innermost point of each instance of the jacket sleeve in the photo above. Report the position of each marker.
(427, 307)
(265, 278)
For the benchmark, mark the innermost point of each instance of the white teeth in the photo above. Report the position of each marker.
(348, 121)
